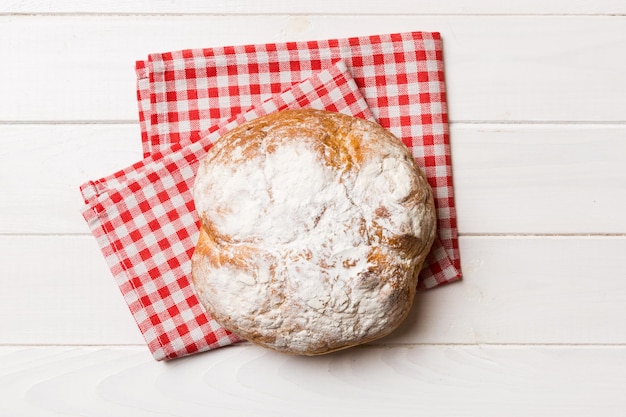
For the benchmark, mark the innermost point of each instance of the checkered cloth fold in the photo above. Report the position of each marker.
(143, 216)
(144, 220)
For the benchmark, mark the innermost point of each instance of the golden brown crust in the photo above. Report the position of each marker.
(347, 273)
(332, 133)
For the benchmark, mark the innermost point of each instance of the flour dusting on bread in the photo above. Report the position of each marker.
(314, 229)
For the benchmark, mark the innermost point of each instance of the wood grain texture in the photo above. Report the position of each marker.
(372, 381)
(516, 290)
(540, 178)
(536, 96)
(498, 68)
(515, 178)
(58, 290)
(230, 7)
(44, 165)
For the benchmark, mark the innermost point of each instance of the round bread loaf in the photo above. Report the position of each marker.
(315, 226)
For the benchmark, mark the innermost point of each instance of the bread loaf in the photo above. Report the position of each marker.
(314, 229)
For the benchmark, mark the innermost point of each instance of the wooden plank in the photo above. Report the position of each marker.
(246, 380)
(527, 290)
(317, 7)
(498, 68)
(540, 178)
(508, 178)
(44, 165)
(58, 290)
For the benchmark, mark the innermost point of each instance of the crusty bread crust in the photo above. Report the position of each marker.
(315, 226)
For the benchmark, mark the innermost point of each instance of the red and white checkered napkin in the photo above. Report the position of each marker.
(144, 220)
(143, 216)
(400, 76)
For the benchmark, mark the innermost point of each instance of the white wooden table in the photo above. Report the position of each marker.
(537, 97)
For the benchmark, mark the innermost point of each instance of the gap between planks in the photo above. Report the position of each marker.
(582, 123)
(287, 14)
(461, 235)
(372, 345)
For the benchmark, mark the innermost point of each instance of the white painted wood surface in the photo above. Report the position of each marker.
(498, 68)
(351, 7)
(510, 178)
(373, 381)
(537, 98)
(517, 290)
